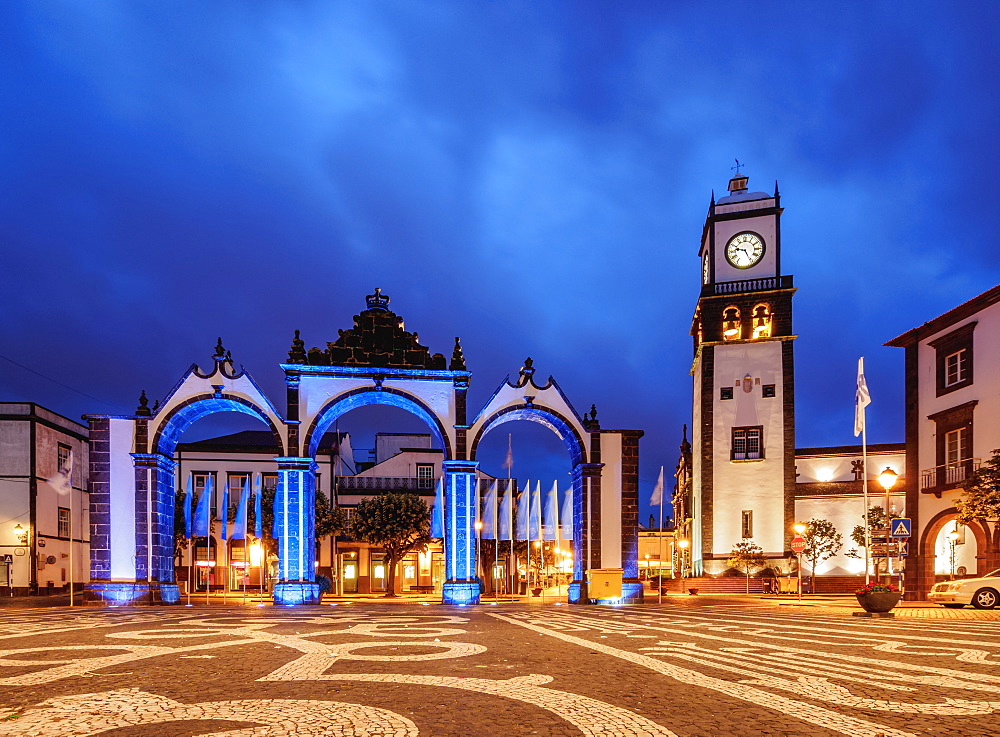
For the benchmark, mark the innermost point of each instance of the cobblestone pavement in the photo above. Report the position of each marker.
(370, 669)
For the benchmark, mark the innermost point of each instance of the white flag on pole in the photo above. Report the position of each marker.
(657, 497)
(861, 399)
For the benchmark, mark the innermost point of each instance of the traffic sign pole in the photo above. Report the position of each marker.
(798, 546)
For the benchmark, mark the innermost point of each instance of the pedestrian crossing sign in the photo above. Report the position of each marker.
(901, 527)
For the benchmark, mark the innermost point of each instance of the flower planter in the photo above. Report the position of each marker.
(536, 592)
(878, 601)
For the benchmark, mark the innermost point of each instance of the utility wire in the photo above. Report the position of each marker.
(64, 386)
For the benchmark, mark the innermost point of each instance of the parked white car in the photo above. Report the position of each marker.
(982, 593)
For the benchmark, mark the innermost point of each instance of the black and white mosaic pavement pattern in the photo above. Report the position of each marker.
(508, 670)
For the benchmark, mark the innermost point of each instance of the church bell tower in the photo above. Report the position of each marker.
(743, 444)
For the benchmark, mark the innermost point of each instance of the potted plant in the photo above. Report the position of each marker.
(877, 597)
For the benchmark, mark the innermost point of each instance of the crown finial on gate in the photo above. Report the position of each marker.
(377, 301)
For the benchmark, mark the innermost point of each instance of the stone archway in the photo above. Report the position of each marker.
(604, 472)
(924, 575)
(375, 362)
(133, 486)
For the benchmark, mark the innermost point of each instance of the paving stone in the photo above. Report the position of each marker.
(734, 668)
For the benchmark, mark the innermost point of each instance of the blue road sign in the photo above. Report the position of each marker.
(8, 558)
(900, 527)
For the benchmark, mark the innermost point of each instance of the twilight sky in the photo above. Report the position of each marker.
(532, 177)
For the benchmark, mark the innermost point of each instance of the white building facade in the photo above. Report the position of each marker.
(44, 505)
(952, 406)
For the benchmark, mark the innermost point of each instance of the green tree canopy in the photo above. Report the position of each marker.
(747, 556)
(396, 522)
(980, 498)
(822, 543)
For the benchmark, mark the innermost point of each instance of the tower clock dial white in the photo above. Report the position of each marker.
(744, 250)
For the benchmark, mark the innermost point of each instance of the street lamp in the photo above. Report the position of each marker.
(887, 479)
(21, 534)
(952, 537)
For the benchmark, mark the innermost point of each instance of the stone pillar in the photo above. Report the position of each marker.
(460, 512)
(586, 528)
(154, 526)
(632, 590)
(295, 530)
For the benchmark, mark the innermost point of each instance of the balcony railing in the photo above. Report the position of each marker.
(385, 483)
(762, 284)
(948, 474)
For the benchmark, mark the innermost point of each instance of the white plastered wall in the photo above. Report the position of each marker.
(611, 501)
(755, 485)
(122, 517)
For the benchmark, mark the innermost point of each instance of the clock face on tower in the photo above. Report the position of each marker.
(744, 250)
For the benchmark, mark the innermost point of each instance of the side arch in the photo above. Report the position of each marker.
(366, 397)
(928, 538)
(185, 414)
(545, 416)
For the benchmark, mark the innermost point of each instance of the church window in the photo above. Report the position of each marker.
(63, 522)
(747, 525)
(954, 359)
(767, 390)
(731, 327)
(761, 321)
(747, 443)
(726, 392)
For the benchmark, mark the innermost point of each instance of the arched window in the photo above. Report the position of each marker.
(731, 328)
(761, 321)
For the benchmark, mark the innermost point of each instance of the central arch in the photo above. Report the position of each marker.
(366, 397)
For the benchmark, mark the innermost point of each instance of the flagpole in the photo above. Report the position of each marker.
(659, 532)
(864, 482)
(71, 573)
(189, 525)
(861, 400)
(511, 564)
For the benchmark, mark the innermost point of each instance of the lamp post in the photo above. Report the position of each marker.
(683, 544)
(799, 529)
(952, 537)
(887, 479)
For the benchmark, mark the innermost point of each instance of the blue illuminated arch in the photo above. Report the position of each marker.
(543, 416)
(367, 397)
(190, 411)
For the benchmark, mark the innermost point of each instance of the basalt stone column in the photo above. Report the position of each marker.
(460, 511)
(586, 528)
(632, 590)
(295, 530)
(154, 528)
(100, 499)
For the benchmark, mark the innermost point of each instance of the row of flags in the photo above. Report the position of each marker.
(528, 517)
(198, 523)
